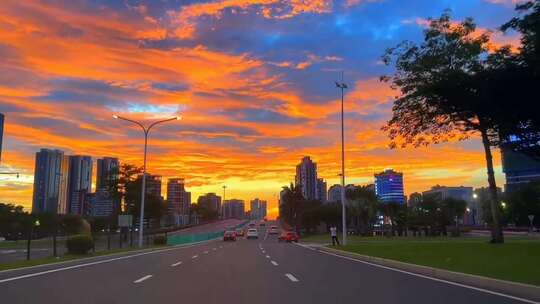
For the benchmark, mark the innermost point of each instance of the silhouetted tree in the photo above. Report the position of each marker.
(443, 96)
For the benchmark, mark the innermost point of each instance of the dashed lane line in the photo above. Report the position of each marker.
(195, 256)
(176, 264)
(146, 277)
(291, 277)
(274, 263)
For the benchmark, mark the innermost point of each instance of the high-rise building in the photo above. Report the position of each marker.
(258, 209)
(1, 134)
(306, 178)
(233, 208)
(178, 198)
(107, 172)
(389, 187)
(153, 184)
(334, 193)
(321, 190)
(210, 201)
(519, 169)
(50, 182)
(80, 182)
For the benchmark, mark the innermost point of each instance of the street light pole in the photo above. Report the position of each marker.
(143, 190)
(343, 86)
(223, 203)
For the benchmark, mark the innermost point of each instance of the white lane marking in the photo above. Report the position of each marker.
(214, 248)
(206, 252)
(274, 263)
(146, 277)
(35, 274)
(291, 277)
(220, 246)
(428, 277)
(267, 256)
(195, 256)
(176, 264)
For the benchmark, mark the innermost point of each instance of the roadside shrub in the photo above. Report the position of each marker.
(160, 240)
(79, 244)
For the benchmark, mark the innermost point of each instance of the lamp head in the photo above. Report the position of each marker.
(178, 117)
(115, 116)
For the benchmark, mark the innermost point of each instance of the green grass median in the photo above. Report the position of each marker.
(518, 259)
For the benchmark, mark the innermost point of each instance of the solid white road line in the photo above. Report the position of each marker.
(274, 263)
(427, 277)
(195, 256)
(291, 277)
(267, 256)
(176, 264)
(35, 274)
(146, 277)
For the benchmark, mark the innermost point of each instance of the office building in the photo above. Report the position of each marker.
(321, 190)
(334, 193)
(1, 134)
(178, 199)
(107, 173)
(258, 209)
(80, 182)
(306, 178)
(50, 182)
(389, 187)
(440, 193)
(233, 208)
(153, 184)
(519, 169)
(210, 201)
(100, 204)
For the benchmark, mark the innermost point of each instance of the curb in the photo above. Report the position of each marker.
(521, 290)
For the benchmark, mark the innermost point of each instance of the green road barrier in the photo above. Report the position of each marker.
(198, 237)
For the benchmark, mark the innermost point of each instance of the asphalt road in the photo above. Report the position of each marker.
(245, 271)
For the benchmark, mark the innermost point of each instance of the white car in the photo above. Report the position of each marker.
(252, 233)
(273, 230)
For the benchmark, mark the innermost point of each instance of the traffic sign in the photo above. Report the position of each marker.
(125, 220)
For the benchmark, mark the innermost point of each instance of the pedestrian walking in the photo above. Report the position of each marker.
(333, 234)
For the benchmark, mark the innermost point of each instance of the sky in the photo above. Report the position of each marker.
(252, 79)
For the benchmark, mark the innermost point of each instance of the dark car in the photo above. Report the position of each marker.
(229, 236)
(288, 236)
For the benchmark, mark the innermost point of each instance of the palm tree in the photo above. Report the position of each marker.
(290, 208)
(363, 204)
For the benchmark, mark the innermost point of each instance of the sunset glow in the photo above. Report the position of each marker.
(252, 80)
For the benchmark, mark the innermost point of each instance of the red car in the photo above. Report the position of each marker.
(229, 236)
(288, 236)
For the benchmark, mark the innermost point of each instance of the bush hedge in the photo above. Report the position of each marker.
(79, 244)
(160, 240)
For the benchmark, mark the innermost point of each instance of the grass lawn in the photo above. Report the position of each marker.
(49, 260)
(518, 259)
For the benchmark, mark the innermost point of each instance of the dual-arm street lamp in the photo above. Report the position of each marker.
(146, 130)
(343, 86)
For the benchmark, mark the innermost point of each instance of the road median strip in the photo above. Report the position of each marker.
(517, 291)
